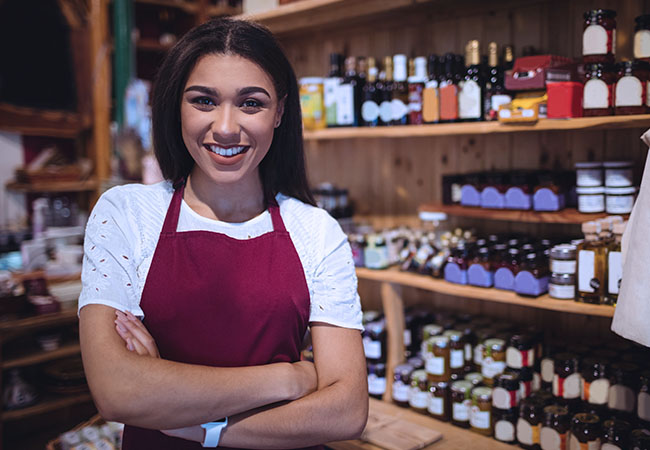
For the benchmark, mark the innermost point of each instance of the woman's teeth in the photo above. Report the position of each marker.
(232, 151)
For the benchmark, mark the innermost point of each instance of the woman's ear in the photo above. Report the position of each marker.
(280, 111)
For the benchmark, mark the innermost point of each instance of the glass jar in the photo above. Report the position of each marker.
(562, 286)
(480, 417)
(505, 422)
(419, 396)
(616, 433)
(595, 381)
(555, 428)
(529, 424)
(436, 359)
(585, 431)
(643, 399)
(520, 352)
(566, 380)
(598, 90)
(376, 380)
(439, 401)
(460, 403)
(591, 199)
(456, 351)
(631, 88)
(506, 393)
(619, 200)
(599, 36)
(563, 259)
(624, 386)
(494, 359)
(642, 38)
(402, 384)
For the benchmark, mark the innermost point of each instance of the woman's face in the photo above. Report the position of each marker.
(229, 110)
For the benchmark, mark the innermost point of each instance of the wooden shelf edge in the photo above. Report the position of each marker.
(426, 283)
(479, 128)
(55, 186)
(47, 406)
(42, 356)
(42, 122)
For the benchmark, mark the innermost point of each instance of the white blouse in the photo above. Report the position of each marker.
(123, 230)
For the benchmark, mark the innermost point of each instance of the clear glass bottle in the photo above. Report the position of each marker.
(591, 266)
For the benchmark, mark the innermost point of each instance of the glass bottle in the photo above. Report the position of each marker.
(495, 91)
(348, 108)
(449, 91)
(400, 91)
(615, 265)
(416, 88)
(369, 103)
(331, 85)
(386, 93)
(472, 87)
(591, 265)
(430, 94)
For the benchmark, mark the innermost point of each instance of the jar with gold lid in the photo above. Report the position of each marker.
(585, 431)
(557, 422)
(461, 403)
(480, 418)
(436, 359)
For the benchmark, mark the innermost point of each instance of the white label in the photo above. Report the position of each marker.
(460, 411)
(560, 291)
(419, 399)
(615, 265)
(372, 348)
(435, 365)
(401, 391)
(642, 44)
(548, 370)
(561, 266)
(643, 410)
(550, 439)
(369, 111)
(436, 405)
(619, 204)
(479, 419)
(504, 431)
(599, 391)
(502, 399)
(524, 432)
(469, 100)
(596, 94)
(345, 104)
(376, 385)
(621, 398)
(629, 92)
(591, 203)
(386, 111)
(407, 337)
(594, 40)
(491, 368)
(399, 109)
(586, 268)
(456, 359)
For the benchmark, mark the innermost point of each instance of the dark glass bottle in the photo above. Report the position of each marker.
(370, 103)
(472, 87)
(385, 89)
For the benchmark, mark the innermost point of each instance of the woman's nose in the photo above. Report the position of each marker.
(224, 124)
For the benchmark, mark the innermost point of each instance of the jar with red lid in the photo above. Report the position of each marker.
(599, 36)
(630, 95)
(642, 38)
(598, 90)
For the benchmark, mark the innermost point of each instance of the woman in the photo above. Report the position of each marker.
(227, 266)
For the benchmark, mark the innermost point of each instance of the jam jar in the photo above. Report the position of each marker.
(480, 416)
(566, 380)
(631, 96)
(376, 380)
(595, 381)
(440, 401)
(494, 359)
(436, 359)
(585, 432)
(419, 396)
(456, 351)
(529, 424)
(643, 399)
(599, 36)
(505, 422)
(642, 38)
(402, 384)
(520, 352)
(506, 391)
(640, 439)
(624, 379)
(615, 434)
(557, 422)
(598, 89)
(460, 403)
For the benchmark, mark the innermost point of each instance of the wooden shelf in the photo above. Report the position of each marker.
(41, 122)
(55, 186)
(477, 128)
(44, 320)
(566, 216)
(188, 7)
(396, 276)
(47, 405)
(70, 349)
(152, 45)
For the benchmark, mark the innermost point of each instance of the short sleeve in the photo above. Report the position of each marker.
(335, 299)
(108, 274)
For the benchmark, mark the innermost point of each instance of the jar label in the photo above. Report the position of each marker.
(401, 391)
(525, 432)
(516, 359)
(642, 44)
(436, 405)
(372, 348)
(596, 95)
(460, 411)
(369, 111)
(643, 410)
(548, 370)
(430, 105)
(551, 439)
(504, 431)
(592, 203)
(504, 399)
(469, 100)
(595, 40)
(399, 109)
(479, 419)
(491, 368)
(615, 265)
(586, 269)
(419, 399)
(597, 391)
(560, 266)
(435, 365)
(630, 92)
(345, 104)
(619, 204)
(456, 359)
(376, 385)
(621, 398)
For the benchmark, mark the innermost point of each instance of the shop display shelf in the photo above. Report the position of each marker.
(42, 122)
(568, 216)
(479, 128)
(49, 403)
(393, 275)
(37, 357)
(88, 185)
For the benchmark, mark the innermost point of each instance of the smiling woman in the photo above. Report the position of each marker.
(198, 291)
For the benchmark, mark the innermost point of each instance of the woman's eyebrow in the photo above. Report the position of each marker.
(203, 90)
(253, 89)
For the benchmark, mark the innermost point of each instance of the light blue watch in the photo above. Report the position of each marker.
(213, 432)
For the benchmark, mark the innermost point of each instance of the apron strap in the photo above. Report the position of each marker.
(171, 219)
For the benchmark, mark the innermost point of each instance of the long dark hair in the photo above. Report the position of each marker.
(283, 168)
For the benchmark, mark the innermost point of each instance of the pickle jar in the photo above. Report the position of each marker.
(599, 36)
(402, 384)
(598, 90)
(419, 396)
(520, 352)
(555, 427)
(629, 95)
(585, 431)
(624, 386)
(506, 391)
(595, 381)
(616, 434)
(529, 424)
(475, 378)
(494, 359)
(642, 38)
(566, 380)
(480, 416)
(456, 351)
(643, 399)
(460, 403)
(640, 439)
(436, 359)
(440, 401)
(505, 422)
(376, 380)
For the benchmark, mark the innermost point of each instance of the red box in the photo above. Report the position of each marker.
(564, 99)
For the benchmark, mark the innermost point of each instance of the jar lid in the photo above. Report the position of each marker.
(553, 412)
(563, 278)
(564, 251)
(419, 376)
(461, 386)
(495, 344)
(590, 190)
(482, 393)
(311, 80)
(609, 13)
(521, 341)
(474, 378)
(620, 190)
(618, 164)
(508, 381)
(588, 165)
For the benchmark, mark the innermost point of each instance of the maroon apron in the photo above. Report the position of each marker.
(213, 300)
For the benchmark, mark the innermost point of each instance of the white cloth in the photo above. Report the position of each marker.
(632, 314)
(123, 230)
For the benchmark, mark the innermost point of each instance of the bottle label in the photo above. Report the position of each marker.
(643, 409)
(430, 105)
(642, 44)
(372, 348)
(460, 411)
(561, 266)
(587, 271)
(615, 264)
(419, 399)
(561, 291)
(504, 399)
(596, 40)
(456, 359)
(479, 419)
(469, 100)
(330, 86)
(376, 385)
(630, 92)
(436, 405)
(504, 431)
(386, 111)
(435, 365)
(548, 370)
(399, 109)
(369, 111)
(551, 439)
(596, 95)
(621, 398)
(401, 391)
(345, 105)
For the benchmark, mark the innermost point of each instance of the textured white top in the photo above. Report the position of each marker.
(123, 230)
